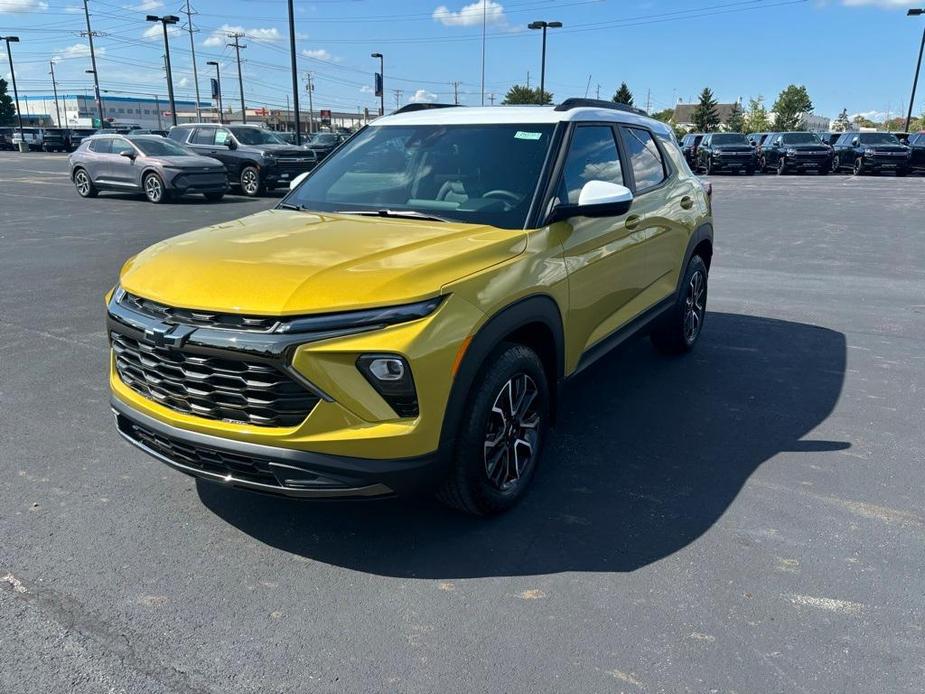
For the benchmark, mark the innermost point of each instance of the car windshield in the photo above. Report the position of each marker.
(160, 147)
(800, 139)
(255, 136)
(481, 174)
(878, 139)
(729, 139)
(323, 139)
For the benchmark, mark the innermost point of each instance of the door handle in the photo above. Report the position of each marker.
(633, 221)
(687, 202)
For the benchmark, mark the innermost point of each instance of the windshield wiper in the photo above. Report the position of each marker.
(290, 206)
(396, 214)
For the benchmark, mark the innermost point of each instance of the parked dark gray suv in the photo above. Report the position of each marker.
(149, 164)
(256, 159)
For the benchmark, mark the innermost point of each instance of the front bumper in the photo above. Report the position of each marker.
(191, 183)
(283, 171)
(274, 470)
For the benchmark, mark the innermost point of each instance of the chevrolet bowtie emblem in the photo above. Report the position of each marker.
(164, 335)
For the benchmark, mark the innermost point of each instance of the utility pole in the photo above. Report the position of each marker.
(484, 23)
(398, 93)
(491, 98)
(295, 76)
(237, 50)
(598, 92)
(96, 78)
(54, 88)
(9, 55)
(528, 79)
(311, 106)
(918, 66)
(649, 101)
(192, 46)
(456, 92)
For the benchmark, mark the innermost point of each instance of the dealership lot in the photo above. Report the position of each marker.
(748, 518)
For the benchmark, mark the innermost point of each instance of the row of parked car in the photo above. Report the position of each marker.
(194, 158)
(802, 152)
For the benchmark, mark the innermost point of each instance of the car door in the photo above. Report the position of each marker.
(97, 159)
(603, 256)
(705, 151)
(917, 142)
(123, 171)
(224, 148)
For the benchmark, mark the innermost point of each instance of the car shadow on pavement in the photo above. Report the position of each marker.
(648, 453)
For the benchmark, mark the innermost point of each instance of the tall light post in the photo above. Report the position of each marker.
(9, 55)
(917, 12)
(295, 76)
(544, 26)
(165, 20)
(381, 84)
(218, 84)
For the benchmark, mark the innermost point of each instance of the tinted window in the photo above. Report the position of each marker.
(203, 136)
(120, 144)
(253, 136)
(729, 139)
(878, 139)
(479, 174)
(160, 147)
(645, 158)
(800, 139)
(592, 156)
(101, 145)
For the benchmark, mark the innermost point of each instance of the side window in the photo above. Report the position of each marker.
(222, 136)
(592, 156)
(645, 158)
(120, 144)
(101, 145)
(202, 136)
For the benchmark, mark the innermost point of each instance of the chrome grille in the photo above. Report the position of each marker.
(220, 388)
(199, 319)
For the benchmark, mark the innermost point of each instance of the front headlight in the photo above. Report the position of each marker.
(269, 159)
(870, 152)
(369, 319)
(791, 152)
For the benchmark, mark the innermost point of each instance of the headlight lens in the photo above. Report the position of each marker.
(791, 151)
(366, 319)
(870, 150)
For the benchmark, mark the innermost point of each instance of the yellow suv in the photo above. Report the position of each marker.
(405, 318)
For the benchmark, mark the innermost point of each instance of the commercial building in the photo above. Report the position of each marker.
(79, 110)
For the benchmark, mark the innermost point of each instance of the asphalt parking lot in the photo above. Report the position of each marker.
(748, 518)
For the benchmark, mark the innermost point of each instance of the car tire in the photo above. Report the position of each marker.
(251, 184)
(678, 331)
(154, 188)
(762, 164)
(502, 432)
(835, 166)
(858, 169)
(84, 184)
(781, 167)
(214, 197)
(708, 167)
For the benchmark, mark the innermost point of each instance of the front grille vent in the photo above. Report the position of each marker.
(196, 318)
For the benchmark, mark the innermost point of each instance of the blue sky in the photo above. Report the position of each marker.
(854, 54)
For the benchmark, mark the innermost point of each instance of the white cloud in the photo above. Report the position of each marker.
(471, 15)
(366, 89)
(422, 96)
(156, 31)
(219, 37)
(145, 5)
(184, 82)
(320, 54)
(876, 116)
(12, 6)
(78, 50)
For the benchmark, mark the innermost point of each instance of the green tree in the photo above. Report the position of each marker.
(665, 116)
(736, 122)
(7, 111)
(706, 117)
(756, 118)
(842, 124)
(520, 94)
(862, 122)
(623, 95)
(791, 105)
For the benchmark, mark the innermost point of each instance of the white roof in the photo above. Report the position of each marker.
(467, 115)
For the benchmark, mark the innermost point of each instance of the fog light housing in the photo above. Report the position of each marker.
(390, 375)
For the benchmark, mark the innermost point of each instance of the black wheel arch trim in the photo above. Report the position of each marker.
(536, 308)
(702, 233)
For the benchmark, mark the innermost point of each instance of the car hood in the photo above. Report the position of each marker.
(182, 162)
(280, 150)
(283, 262)
(885, 148)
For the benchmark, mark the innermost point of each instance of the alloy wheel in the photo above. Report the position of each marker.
(153, 188)
(82, 181)
(694, 307)
(249, 181)
(512, 436)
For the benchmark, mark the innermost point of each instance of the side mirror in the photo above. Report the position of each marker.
(128, 154)
(855, 142)
(231, 144)
(294, 183)
(597, 199)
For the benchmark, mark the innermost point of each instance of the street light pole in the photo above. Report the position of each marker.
(9, 55)
(218, 83)
(381, 81)
(165, 20)
(918, 66)
(544, 26)
(295, 76)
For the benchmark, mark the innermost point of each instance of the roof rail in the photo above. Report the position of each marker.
(576, 102)
(423, 106)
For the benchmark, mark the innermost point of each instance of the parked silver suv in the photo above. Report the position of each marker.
(154, 165)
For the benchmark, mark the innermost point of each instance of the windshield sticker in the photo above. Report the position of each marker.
(523, 135)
